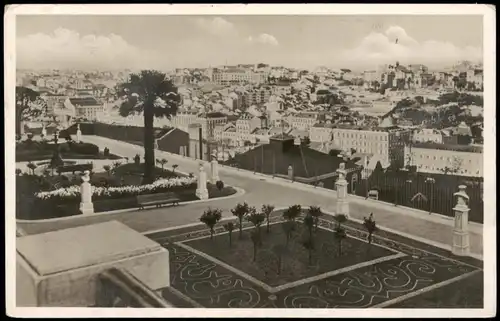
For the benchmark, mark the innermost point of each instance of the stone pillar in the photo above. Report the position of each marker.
(341, 185)
(290, 172)
(461, 244)
(214, 171)
(86, 205)
(78, 134)
(44, 131)
(181, 151)
(202, 191)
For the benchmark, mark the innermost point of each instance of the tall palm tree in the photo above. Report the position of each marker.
(151, 93)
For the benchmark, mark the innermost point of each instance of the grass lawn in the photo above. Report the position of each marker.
(295, 265)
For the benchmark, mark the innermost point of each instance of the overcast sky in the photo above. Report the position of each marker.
(164, 42)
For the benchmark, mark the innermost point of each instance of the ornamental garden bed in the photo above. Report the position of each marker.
(392, 271)
(29, 151)
(53, 196)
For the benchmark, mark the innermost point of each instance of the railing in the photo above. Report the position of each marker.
(119, 288)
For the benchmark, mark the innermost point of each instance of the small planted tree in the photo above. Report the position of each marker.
(219, 185)
(315, 212)
(267, 210)
(339, 234)
(18, 172)
(174, 167)
(256, 219)
(240, 211)
(370, 226)
(308, 244)
(292, 213)
(210, 218)
(107, 168)
(309, 224)
(106, 151)
(116, 165)
(229, 227)
(254, 235)
(32, 167)
(340, 219)
(162, 163)
(288, 227)
(191, 175)
(137, 159)
(281, 251)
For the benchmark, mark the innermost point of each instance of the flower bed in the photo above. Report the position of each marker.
(159, 186)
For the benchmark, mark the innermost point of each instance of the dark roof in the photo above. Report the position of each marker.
(270, 157)
(84, 101)
(450, 147)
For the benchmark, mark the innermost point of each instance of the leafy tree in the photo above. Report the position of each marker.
(107, 168)
(267, 210)
(309, 223)
(281, 251)
(219, 185)
(210, 218)
(29, 106)
(32, 167)
(18, 172)
(370, 226)
(255, 237)
(162, 162)
(229, 227)
(309, 245)
(116, 164)
(315, 212)
(151, 93)
(339, 234)
(174, 167)
(340, 219)
(240, 211)
(292, 212)
(137, 159)
(255, 218)
(288, 227)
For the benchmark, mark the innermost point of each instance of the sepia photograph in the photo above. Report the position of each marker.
(250, 160)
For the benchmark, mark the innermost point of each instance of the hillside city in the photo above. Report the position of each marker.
(437, 114)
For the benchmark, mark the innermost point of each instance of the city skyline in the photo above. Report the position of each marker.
(356, 42)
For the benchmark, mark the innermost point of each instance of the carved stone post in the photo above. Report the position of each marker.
(341, 185)
(290, 172)
(78, 134)
(86, 205)
(202, 191)
(461, 245)
(214, 171)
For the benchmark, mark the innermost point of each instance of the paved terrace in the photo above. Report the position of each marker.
(434, 229)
